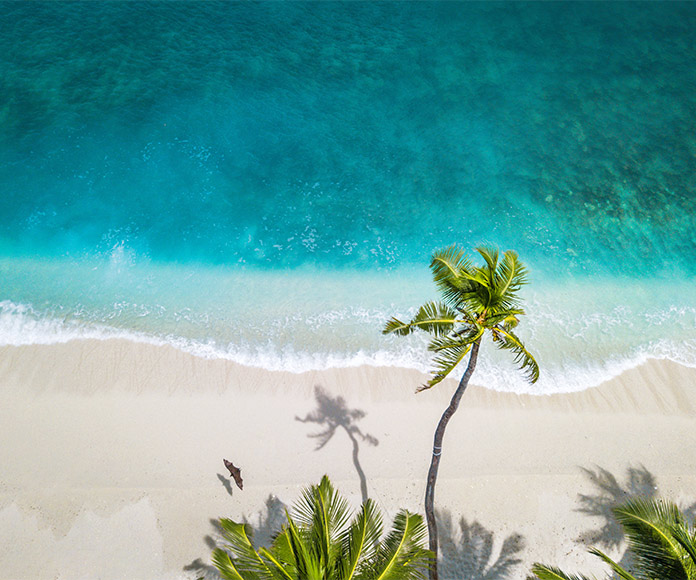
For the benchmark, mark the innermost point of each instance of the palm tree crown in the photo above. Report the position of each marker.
(321, 542)
(474, 300)
(661, 542)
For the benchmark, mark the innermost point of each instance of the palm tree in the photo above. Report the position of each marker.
(659, 539)
(320, 542)
(475, 300)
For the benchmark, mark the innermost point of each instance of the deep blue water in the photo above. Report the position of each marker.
(168, 168)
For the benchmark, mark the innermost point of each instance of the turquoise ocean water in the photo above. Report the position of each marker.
(265, 182)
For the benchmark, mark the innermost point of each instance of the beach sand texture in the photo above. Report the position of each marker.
(111, 455)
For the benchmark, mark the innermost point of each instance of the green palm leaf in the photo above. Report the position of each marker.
(509, 277)
(401, 555)
(309, 559)
(397, 327)
(550, 573)
(360, 540)
(619, 570)
(226, 566)
(323, 513)
(445, 362)
(433, 317)
(490, 255)
(505, 339)
(508, 318)
(246, 562)
(280, 569)
(450, 267)
(687, 541)
(648, 526)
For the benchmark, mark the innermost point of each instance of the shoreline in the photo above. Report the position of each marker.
(48, 333)
(112, 455)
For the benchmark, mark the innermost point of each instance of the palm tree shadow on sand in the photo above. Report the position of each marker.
(332, 413)
(468, 553)
(270, 522)
(639, 483)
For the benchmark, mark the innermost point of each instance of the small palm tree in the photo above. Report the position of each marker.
(476, 300)
(661, 543)
(320, 542)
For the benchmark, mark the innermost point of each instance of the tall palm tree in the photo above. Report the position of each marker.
(475, 300)
(661, 543)
(321, 542)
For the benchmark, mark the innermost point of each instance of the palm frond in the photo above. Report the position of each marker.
(279, 568)
(323, 513)
(308, 558)
(550, 573)
(505, 339)
(360, 540)
(226, 567)
(448, 264)
(466, 335)
(281, 553)
(490, 255)
(397, 327)
(246, 560)
(433, 317)
(508, 318)
(401, 555)
(450, 268)
(647, 524)
(319, 547)
(687, 541)
(446, 361)
(509, 277)
(619, 570)
(466, 315)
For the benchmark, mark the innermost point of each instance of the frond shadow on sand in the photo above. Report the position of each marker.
(468, 551)
(270, 522)
(611, 492)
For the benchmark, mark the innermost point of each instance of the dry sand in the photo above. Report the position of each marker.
(111, 458)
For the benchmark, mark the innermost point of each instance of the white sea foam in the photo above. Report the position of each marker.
(564, 369)
(581, 332)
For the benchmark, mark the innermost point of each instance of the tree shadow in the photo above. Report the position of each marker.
(202, 570)
(610, 493)
(638, 483)
(468, 551)
(333, 413)
(270, 522)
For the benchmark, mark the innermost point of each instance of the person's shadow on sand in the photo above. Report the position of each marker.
(333, 413)
(226, 483)
(467, 553)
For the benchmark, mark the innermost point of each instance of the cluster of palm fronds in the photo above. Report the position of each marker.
(475, 299)
(321, 542)
(660, 541)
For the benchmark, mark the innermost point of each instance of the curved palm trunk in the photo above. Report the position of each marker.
(437, 451)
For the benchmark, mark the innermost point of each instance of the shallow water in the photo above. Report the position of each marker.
(266, 181)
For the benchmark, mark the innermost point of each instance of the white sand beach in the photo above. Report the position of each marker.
(111, 458)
